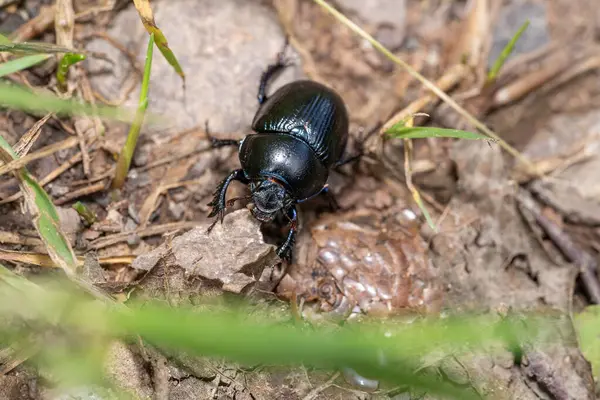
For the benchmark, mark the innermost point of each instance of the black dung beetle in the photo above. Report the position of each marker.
(301, 134)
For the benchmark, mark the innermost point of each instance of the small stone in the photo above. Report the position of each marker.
(90, 234)
(176, 210)
(245, 36)
(139, 179)
(179, 196)
(141, 156)
(11, 23)
(130, 225)
(234, 253)
(57, 190)
(112, 223)
(377, 12)
(134, 240)
(133, 214)
(70, 223)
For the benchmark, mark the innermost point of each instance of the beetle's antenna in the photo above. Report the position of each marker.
(257, 187)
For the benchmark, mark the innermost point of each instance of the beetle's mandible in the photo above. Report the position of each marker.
(301, 132)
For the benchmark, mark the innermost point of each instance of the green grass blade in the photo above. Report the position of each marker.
(387, 350)
(33, 48)
(420, 132)
(126, 155)
(163, 46)
(20, 98)
(4, 40)
(45, 216)
(21, 64)
(506, 52)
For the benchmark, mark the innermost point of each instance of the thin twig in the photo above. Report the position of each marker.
(150, 231)
(48, 178)
(84, 191)
(450, 79)
(150, 203)
(44, 152)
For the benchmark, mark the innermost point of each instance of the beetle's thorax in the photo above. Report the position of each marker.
(285, 158)
(310, 111)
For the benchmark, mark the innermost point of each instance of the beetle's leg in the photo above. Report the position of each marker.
(361, 145)
(337, 166)
(217, 143)
(348, 160)
(218, 202)
(271, 71)
(333, 204)
(285, 250)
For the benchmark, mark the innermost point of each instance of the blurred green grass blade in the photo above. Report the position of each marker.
(126, 154)
(20, 98)
(4, 40)
(387, 350)
(16, 281)
(364, 348)
(587, 324)
(7, 148)
(506, 52)
(65, 63)
(21, 64)
(33, 48)
(420, 132)
(45, 216)
(147, 16)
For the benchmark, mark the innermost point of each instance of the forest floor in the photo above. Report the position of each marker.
(506, 239)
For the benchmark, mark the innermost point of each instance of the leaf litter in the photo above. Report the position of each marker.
(475, 228)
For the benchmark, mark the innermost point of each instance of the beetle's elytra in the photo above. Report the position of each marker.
(301, 133)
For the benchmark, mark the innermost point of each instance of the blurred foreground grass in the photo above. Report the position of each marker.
(386, 350)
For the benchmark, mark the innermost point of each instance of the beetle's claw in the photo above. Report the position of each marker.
(219, 213)
(210, 228)
(285, 253)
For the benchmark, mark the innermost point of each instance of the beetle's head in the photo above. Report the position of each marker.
(269, 197)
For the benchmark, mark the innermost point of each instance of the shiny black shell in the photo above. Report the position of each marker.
(302, 130)
(311, 112)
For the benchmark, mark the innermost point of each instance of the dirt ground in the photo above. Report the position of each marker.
(507, 240)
